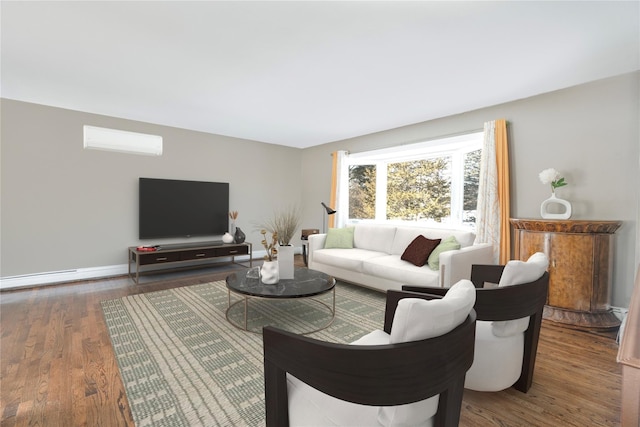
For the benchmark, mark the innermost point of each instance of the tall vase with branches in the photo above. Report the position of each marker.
(284, 224)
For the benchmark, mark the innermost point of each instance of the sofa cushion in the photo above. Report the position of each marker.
(404, 236)
(448, 244)
(517, 273)
(377, 238)
(339, 238)
(391, 267)
(351, 259)
(418, 251)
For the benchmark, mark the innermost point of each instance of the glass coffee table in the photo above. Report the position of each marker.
(305, 284)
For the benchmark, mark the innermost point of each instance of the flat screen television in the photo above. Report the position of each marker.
(176, 208)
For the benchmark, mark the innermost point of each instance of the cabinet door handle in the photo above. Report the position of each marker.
(164, 258)
(200, 255)
(233, 252)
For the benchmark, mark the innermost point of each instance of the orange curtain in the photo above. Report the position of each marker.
(334, 188)
(502, 162)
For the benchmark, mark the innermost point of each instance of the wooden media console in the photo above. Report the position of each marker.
(190, 255)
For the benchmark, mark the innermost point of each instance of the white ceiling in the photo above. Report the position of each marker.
(306, 73)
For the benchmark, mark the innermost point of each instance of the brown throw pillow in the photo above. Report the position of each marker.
(418, 251)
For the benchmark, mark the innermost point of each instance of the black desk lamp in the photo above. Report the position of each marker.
(328, 211)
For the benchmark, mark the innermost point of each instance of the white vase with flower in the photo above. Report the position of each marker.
(561, 207)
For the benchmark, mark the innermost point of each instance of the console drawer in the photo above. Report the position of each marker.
(197, 254)
(158, 257)
(232, 250)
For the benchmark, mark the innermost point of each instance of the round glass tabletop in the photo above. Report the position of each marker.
(305, 283)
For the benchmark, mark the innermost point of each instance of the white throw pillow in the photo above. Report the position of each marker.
(517, 273)
(417, 319)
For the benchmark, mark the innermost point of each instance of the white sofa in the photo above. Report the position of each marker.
(375, 259)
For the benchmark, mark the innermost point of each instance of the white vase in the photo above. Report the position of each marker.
(227, 238)
(285, 261)
(553, 200)
(269, 273)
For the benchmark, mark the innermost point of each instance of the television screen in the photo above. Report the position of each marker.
(175, 208)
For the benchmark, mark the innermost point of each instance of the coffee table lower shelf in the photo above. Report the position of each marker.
(245, 325)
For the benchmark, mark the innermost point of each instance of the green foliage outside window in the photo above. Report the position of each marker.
(362, 191)
(418, 190)
(428, 188)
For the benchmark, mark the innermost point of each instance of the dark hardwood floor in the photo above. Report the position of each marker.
(57, 367)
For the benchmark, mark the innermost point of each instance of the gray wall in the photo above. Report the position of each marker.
(589, 133)
(64, 207)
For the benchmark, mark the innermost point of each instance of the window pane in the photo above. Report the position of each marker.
(471, 180)
(362, 192)
(419, 190)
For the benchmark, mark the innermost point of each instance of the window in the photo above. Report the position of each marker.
(434, 182)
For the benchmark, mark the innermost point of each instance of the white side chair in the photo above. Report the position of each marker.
(509, 304)
(410, 373)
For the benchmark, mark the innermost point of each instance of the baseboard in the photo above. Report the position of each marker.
(620, 312)
(54, 277)
(74, 275)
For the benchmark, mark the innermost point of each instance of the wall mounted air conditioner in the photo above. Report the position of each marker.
(97, 138)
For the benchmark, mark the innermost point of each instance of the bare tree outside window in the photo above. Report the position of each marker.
(471, 182)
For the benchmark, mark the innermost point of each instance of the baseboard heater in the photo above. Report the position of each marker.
(60, 276)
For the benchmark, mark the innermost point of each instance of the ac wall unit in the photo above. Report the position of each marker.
(97, 138)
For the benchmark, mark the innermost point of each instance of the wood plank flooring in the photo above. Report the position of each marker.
(57, 367)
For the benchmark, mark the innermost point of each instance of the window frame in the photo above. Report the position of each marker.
(454, 146)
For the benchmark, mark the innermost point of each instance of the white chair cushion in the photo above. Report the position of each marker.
(377, 337)
(413, 414)
(311, 407)
(517, 273)
(417, 319)
(497, 361)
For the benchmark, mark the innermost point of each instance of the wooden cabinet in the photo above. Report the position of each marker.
(580, 268)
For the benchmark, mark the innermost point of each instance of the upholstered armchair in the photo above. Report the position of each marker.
(509, 303)
(410, 373)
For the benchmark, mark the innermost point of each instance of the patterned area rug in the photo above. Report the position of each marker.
(184, 364)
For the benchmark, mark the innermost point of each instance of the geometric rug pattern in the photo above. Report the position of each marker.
(184, 364)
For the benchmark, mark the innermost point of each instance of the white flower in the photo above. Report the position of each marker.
(547, 176)
(552, 176)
